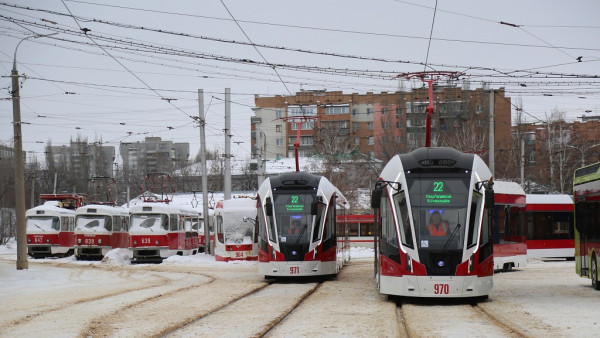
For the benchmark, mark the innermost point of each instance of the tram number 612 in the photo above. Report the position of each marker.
(294, 270)
(441, 289)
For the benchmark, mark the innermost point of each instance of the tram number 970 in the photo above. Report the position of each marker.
(441, 289)
(294, 270)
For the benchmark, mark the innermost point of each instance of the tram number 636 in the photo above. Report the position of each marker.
(441, 289)
(294, 270)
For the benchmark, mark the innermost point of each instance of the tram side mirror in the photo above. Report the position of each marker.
(489, 198)
(269, 207)
(314, 206)
(376, 198)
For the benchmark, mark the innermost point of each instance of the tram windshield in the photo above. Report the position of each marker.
(150, 222)
(43, 223)
(93, 223)
(294, 220)
(439, 210)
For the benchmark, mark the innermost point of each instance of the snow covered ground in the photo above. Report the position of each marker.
(546, 298)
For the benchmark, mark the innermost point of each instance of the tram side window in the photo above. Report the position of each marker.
(486, 236)
(403, 220)
(317, 222)
(474, 220)
(125, 223)
(271, 222)
(389, 238)
(262, 228)
(174, 222)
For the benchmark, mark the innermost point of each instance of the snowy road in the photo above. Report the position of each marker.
(195, 296)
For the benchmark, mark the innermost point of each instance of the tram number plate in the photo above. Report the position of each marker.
(441, 289)
(145, 240)
(295, 270)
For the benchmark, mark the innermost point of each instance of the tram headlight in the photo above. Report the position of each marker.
(134, 242)
(440, 263)
(408, 263)
(28, 240)
(471, 264)
(47, 240)
(156, 242)
(99, 240)
(78, 240)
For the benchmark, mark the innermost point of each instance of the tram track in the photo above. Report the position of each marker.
(438, 317)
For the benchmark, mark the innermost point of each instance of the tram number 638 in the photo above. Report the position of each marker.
(441, 289)
(294, 270)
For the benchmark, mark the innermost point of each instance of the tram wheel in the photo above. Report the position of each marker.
(595, 282)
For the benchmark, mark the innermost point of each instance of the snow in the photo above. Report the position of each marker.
(545, 298)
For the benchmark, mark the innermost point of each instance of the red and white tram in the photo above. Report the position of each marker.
(50, 226)
(298, 234)
(510, 251)
(550, 232)
(236, 237)
(158, 231)
(100, 228)
(433, 217)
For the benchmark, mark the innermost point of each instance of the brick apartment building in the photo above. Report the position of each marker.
(382, 125)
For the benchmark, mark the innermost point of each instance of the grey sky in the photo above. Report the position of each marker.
(73, 87)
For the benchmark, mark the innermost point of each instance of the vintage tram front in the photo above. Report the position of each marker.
(298, 232)
(433, 237)
(99, 229)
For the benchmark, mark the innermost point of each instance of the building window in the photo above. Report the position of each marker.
(371, 140)
(398, 125)
(302, 111)
(355, 126)
(278, 114)
(337, 110)
(278, 128)
(354, 111)
(370, 125)
(399, 139)
(306, 140)
(357, 141)
(384, 111)
(308, 125)
(398, 112)
(384, 125)
(279, 141)
(369, 111)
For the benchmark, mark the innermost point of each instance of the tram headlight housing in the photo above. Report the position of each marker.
(408, 263)
(471, 264)
(78, 240)
(99, 240)
(47, 240)
(134, 242)
(156, 242)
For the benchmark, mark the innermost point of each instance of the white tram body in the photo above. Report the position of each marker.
(235, 237)
(451, 259)
(100, 228)
(158, 231)
(49, 230)
(319, 245)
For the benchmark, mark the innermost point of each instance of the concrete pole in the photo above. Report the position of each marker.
(522, 162)
(491, 141)
(202, 120)
(227, 178)
(22, 262)
(260, 156)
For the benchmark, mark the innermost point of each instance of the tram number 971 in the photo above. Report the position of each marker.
(441, 289)
(294, 270)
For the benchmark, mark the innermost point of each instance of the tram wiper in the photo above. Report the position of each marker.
(451, 236)
(300, 235)
(39, 227)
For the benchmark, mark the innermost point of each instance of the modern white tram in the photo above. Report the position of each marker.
(158, 231)
(433, 234)
(297, 227)
(235, 237)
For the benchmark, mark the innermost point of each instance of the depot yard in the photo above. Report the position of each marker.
(98, 298)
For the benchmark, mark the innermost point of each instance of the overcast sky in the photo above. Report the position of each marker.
(138, 70)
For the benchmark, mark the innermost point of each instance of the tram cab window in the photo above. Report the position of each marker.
(108, 223)
(65, 224)
(174, 223)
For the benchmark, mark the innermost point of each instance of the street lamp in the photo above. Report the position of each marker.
(583, 151)
(19, 163)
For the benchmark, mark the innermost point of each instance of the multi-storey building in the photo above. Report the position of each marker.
(82, 159)
(153, 155)
(382, 125)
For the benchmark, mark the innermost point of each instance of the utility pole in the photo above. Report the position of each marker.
(22, 262)
(261, 156)
(227, 178)
(202, 122)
